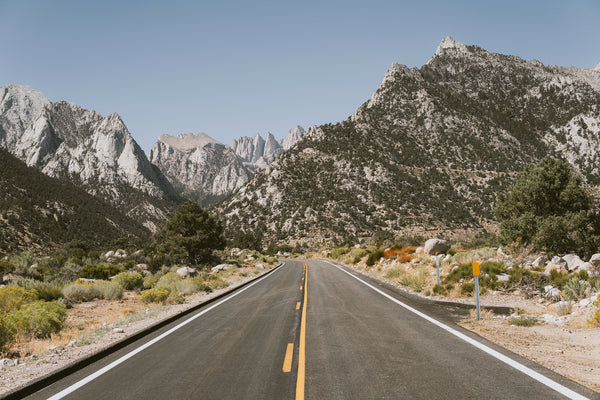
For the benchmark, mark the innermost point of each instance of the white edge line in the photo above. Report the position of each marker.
(127, 356)
(515, 364)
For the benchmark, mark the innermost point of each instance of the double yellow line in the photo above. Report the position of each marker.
(302, 348)
(289, 353)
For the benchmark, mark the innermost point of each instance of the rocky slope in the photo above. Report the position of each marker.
(97, 153)
(37, 211)
(207, 171)
(428, 151)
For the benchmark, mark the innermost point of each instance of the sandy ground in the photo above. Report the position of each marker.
(90, 327)
(568, 345)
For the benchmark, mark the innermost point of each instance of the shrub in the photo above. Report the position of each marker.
(523, 320)
(176, 298)
(596, 317)
(463, 271)
(340, 251)
(6, 334)
(6, 267)
(149, 282)
(200, 285)
(14, 297)
(467, 288)
(416, 281)
(38, 319)
(394, 273)
(84, 291)
(47, 291)
(92, 271)
(129, 280)
(558, 278)
(168, 281)
(375, 255)
(79, 292)
(155, 295)
(439, 289)
(576, 289)
(108, 290)
(185, 286)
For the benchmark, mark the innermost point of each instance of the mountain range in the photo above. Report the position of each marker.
(427, 152)
(207, 171)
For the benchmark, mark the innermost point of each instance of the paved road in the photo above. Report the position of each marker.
(347, 342)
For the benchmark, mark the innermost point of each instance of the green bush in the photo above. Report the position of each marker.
(6, 267)
(523, 320)
(6, 334)
(467, 288)
(129, 280)
(576, 289)
(47, 291)
(340, 251)
(149, 282)
(375, 255)
(558, 278)
(155, 295)
(84, 291)
(395, 273)
(14, 297)
(80, 292)
(463, 271)
(169, 281)
(439, 289)
(175, 298)
(38, 319)
(92, 271)
(108, 290)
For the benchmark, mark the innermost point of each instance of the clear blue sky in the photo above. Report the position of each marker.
(234, 68)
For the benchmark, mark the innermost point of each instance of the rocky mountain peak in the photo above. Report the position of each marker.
(292, 137)
(20, 106)
(187, 142)
(597, 67)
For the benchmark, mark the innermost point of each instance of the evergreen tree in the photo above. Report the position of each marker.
(547, 206)
(195, 232)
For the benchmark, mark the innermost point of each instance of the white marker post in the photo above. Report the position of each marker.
(437, 265)
(476, 275)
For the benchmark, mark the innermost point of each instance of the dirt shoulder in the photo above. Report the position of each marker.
(93, 326)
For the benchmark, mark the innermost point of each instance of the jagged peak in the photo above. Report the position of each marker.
(450, 46)
(186, 142)
(597, 67)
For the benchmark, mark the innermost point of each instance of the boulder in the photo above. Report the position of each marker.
(594, 262)
(573, 261)
(109, 254)
(419, 250)
(500, 252)
(503, 278)
(7, 278)
(558, 261)
(186, 272)
(260, 266)
(551, 266)
(141, 267)
(552, 293)
(538, 262)
(220, 267)
(436, 246)
(118, 330)
(7, 362)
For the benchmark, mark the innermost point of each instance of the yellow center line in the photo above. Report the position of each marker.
(287, 362)
(302, 346)
(297, 305)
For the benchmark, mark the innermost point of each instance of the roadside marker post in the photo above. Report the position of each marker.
(476, 275)
(437, 265)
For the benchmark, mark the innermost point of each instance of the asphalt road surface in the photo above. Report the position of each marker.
(314, 332)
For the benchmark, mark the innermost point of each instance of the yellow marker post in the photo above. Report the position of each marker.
(476, 275)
